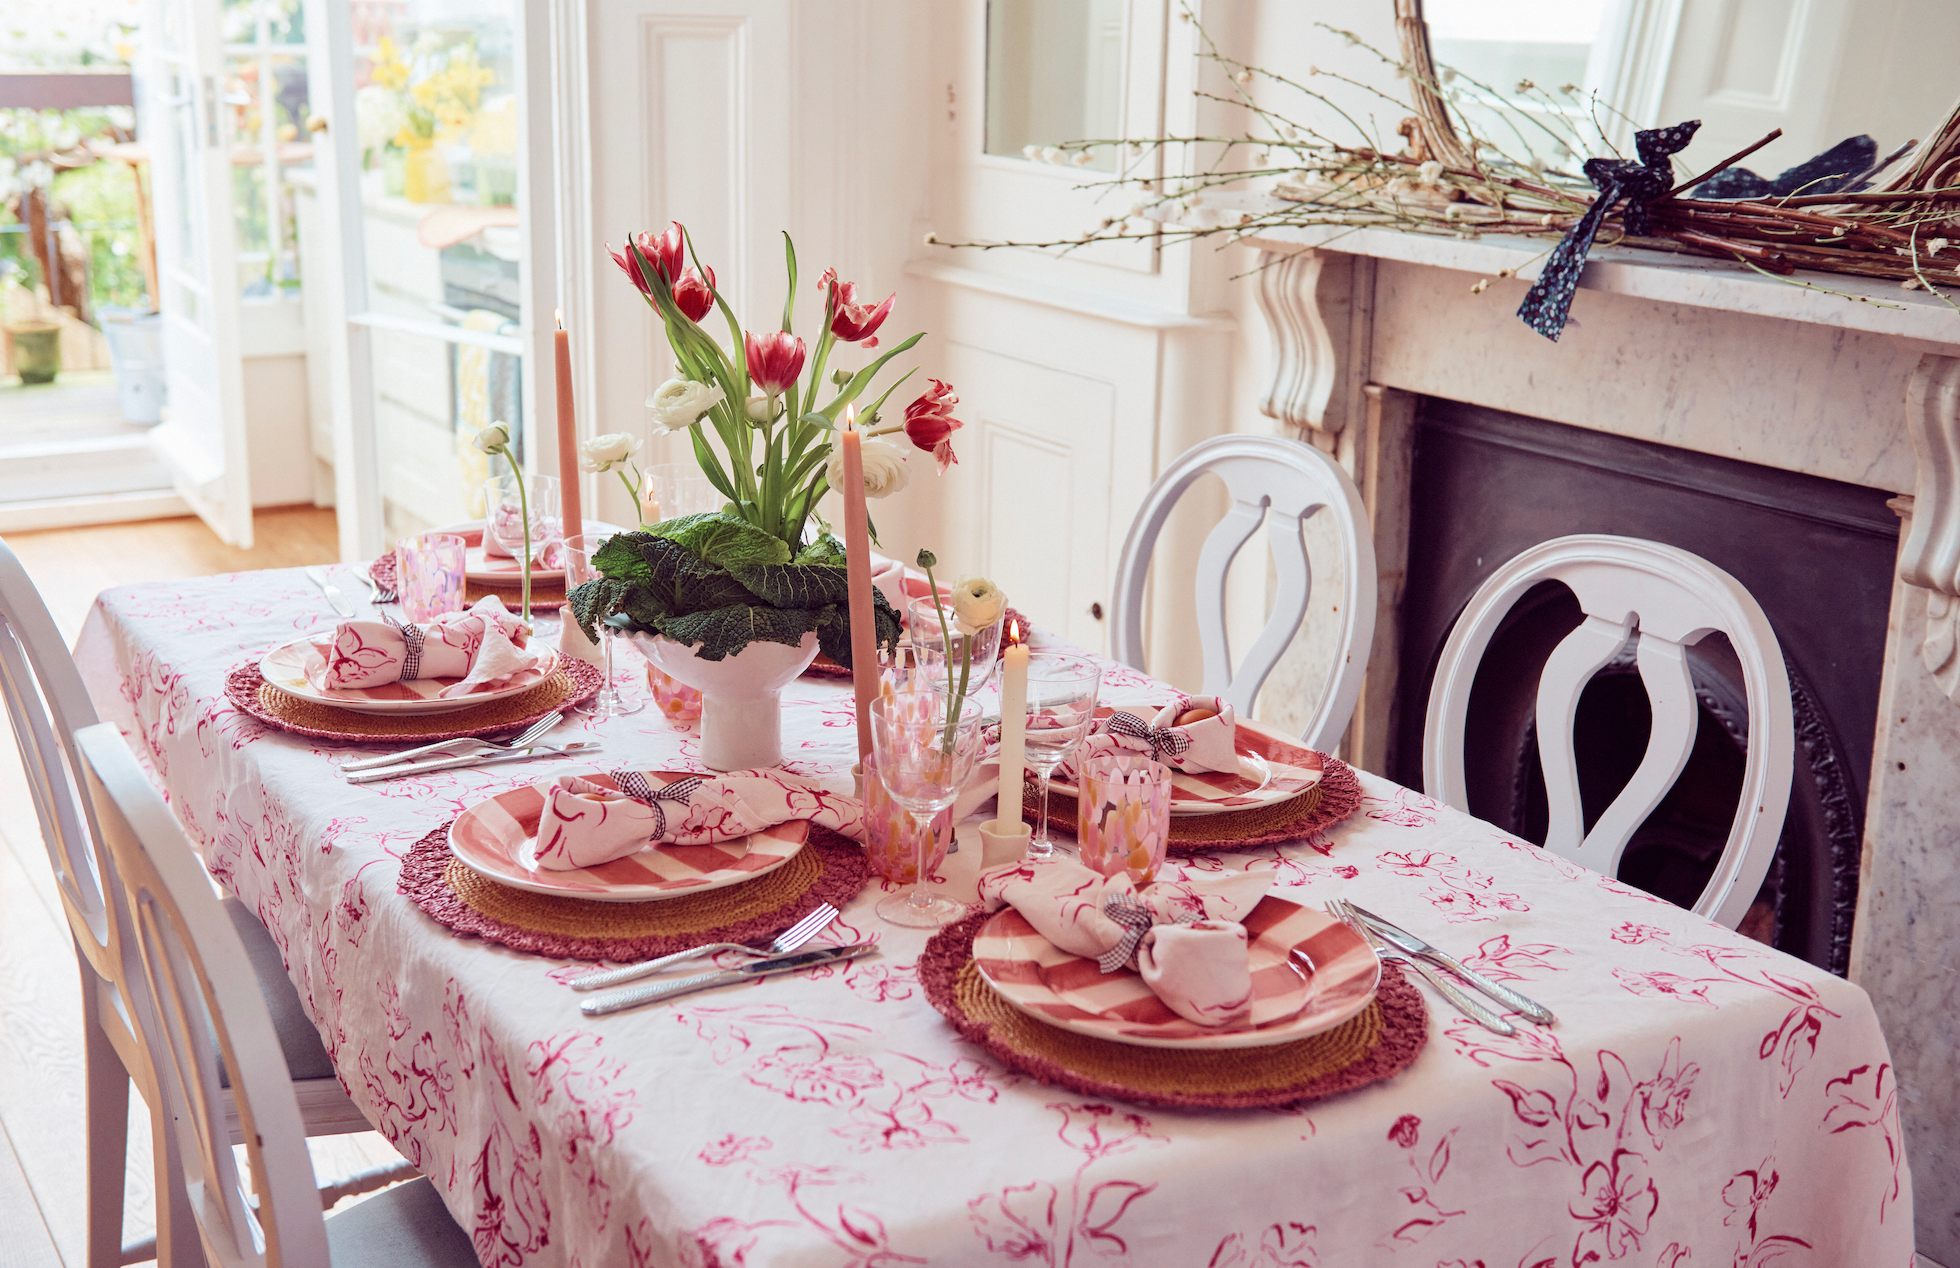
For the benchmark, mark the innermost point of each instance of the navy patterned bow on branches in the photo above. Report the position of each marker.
(1549, 300)
(412, 636)
(1161, 741)
(635, 785)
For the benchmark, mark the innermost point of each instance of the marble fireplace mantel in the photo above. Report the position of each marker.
(1862, 387)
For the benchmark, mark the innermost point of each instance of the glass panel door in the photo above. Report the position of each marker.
(187, 128)
(428, 115)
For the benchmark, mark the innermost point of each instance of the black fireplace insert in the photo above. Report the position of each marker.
(1817, 554)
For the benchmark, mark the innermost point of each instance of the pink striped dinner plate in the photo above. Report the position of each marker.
(285, 668)
(480, 565)
(1272, 769)
(1330, 979)
(499, 838)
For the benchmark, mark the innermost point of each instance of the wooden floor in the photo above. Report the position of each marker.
(42, 1140)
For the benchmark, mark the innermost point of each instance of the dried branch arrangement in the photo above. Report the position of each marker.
(1448, 177)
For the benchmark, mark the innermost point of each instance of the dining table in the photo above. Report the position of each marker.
(1701, 1098)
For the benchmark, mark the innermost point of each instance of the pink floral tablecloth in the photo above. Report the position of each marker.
(1703, 1100)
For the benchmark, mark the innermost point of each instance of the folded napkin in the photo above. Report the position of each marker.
(1208, 744)
(586, 823)
(484, 646)
(1182, 933)
(547, 538)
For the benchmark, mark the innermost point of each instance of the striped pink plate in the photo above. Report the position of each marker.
(499, 838)
(1291, 999)
(480, 565)
(285, 668)
(1272, 769)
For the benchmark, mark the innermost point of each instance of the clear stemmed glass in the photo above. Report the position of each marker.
(926, 747)
(939, 656)
(1061, 709)
(580, 569)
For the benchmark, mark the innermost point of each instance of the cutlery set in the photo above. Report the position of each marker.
(781, 956)
(1396, 945)
(466, 754)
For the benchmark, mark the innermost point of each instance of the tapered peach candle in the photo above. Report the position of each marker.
(857, 562)
(1013, 727)
(568, 476)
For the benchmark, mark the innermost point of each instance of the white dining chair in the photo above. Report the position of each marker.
(1280, 484)
(1667, 599)
(47, 704)
(199, 1010)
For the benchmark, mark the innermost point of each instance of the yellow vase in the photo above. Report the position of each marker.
(425, 176)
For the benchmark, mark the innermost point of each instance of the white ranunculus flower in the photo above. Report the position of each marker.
(378, 116)
(603, 453)
(758, 408)
(885, 472)
(492, 438)
(977, 603)
(678, 404)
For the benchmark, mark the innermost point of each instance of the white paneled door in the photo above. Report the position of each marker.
(186, 123)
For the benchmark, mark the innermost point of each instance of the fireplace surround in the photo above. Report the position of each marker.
(1856, 383)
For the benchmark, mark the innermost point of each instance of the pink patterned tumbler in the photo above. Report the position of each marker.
(675, 701)
(429, 575)
(891, 837)
(1125, 815)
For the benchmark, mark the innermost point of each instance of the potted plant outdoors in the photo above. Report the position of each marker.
(736, 602)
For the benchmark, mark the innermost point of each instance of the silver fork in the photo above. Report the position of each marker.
(528, 735)
(1470, 1007)
(786, 941)
(378, 594)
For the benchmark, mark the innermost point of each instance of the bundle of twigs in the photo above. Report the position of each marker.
(1451, 181)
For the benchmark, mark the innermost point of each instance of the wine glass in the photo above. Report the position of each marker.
(941, 656)
(504, 514)
(580, 569)
(926, 745)
(1061, 710)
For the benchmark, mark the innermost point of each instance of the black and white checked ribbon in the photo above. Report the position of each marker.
(412, 637)
(1137, 918)
(636, 785)
(1161, 741)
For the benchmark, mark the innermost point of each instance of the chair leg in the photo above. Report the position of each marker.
(107, 1103)
(178, 1244)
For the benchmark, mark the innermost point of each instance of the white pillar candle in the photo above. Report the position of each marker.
(1013, 727)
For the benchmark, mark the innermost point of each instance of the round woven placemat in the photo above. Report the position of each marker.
(573, 683)
(830, 869)
(1376, 1044)
(546, 596)
(1334, 798)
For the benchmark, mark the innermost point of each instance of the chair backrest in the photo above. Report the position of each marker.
(47, 704)
(1279, 483)
(1668, 599)
(198, 1001)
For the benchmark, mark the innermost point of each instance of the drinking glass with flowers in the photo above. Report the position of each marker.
(763, 412)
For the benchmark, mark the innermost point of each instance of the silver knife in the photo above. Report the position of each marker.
(1526, 1007)
(335, 599)
(634, 996)
(480, 759)
(1469, 1005)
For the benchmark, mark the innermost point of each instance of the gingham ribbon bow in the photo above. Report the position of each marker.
(1137, 918)
(1162, 741)
(412, 636)
(635, 785)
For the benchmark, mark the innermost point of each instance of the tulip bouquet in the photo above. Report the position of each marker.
(764, 439)
(775, 458)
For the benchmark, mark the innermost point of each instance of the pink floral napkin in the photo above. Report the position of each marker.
(1210, 744)
(485, 647)
(586, 823)
(1182, 933)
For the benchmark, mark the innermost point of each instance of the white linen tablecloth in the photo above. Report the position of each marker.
(1702, 1100)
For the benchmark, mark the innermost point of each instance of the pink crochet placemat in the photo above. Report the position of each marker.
(573, 683)
(1376, 1045)
(547, 595)
(824, 667)
(1334, 798)
(830, 869)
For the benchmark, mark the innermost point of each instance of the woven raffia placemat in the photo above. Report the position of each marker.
(830, 869)
(1377, 1044)
(573, 683)
(546, 596)
(1334, 798)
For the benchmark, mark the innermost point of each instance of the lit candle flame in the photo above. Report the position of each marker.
(851, 415)
(559, 315)
(1014, 630)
